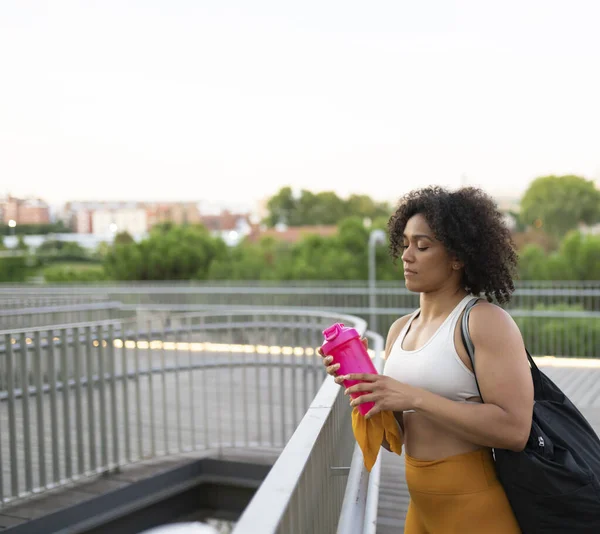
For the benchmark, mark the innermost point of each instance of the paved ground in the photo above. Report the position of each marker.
(581, 385)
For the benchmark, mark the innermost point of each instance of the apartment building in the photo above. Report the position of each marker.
(24, 210)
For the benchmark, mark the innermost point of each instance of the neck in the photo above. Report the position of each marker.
(440, 303)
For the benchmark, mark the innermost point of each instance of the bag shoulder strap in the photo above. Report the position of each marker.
(468, 343)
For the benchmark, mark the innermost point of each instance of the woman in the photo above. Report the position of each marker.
(454, 247)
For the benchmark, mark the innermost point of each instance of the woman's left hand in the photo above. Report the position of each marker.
(385, 392)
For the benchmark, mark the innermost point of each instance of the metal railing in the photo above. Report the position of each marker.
(12, 297)
(319, 482)
(304, 490)
(555, 318)
(359, 508)
(81, 399)
(312, 295)
(32, 316)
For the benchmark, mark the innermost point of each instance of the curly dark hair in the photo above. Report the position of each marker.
(471, 228)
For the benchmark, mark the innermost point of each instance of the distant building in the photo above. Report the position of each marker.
(137, 218)
(79, 215)
(95, 217)
(130, 220)
(230, 227)
(82, 222)
(24, 211)
(175, 212)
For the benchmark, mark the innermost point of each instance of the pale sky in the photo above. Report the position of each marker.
(228, 101)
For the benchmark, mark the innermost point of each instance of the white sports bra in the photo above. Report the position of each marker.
(436, 366)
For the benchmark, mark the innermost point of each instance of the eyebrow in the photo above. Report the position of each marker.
(419, 236)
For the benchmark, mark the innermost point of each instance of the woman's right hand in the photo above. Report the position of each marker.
(332, 368)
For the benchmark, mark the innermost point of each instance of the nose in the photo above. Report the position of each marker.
(408, 255)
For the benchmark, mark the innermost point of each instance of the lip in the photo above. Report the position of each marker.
(408, 272)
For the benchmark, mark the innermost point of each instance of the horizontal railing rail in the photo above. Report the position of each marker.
(31, 316)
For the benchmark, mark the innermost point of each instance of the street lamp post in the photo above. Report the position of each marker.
(375, 237)
(12, 224)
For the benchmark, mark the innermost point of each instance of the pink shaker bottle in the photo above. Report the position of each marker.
(345, 346)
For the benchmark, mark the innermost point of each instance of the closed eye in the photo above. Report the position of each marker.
(404, 247)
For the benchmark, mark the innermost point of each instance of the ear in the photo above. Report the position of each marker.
(456, 264)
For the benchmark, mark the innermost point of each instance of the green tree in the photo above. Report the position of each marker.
(365, 206)
(560, 203)
(268, 259)
(325, 208)
(13, 269)
(168, 253)
(282, 208)
(580, 256)
(328, 209)
(340, 257)
(123, 238)
(13, 264)
(304, 210)
(577, 258)
(533, 263)
(353, 237)
(59, 251)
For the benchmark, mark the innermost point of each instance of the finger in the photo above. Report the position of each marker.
(359, 388)
(366, 377)
(365, 342)
(332, 369)
(339, 380)
(368, 397)
(320, 352)
(373, 411)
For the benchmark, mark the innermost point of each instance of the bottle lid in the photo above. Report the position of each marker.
(333, 331)
(336, 335)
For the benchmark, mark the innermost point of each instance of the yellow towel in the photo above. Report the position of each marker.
(369, 434)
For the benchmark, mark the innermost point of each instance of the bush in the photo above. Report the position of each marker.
(168, 253)
(62, 273)
(577, 258)
(561, 335)
(13, 269)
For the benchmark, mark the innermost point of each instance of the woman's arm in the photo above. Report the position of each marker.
(504, 376)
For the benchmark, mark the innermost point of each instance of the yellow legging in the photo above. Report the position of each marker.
(457, 495)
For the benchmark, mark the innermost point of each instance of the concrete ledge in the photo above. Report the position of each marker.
(205, 484)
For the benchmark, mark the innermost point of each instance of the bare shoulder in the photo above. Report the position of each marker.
(491, 324)
(394, 332)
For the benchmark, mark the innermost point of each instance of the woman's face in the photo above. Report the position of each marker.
(427, 264)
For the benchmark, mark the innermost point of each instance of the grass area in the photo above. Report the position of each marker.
(76, 266)
(71, 272)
